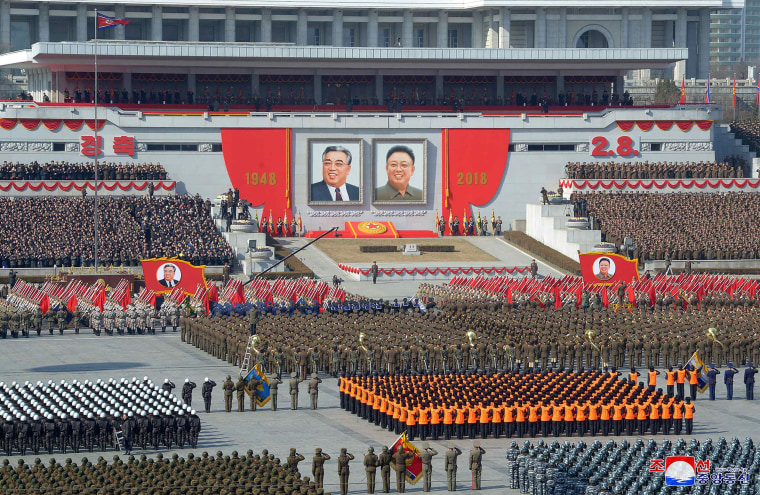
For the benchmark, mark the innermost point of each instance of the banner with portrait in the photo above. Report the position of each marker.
(166, 274)
(399, 171)
(335, 172)
(608, 268)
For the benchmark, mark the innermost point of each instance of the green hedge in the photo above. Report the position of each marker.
(378, 249)
(543, 252)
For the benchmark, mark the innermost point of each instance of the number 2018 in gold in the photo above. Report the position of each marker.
(262, 179)
(472, 178)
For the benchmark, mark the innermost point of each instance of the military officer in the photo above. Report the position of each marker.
(370, 468)
(314, 390)
(293, 386)
(426, 456)
(343, 469)
(384, 462)
(318, 467)
(398, 460)
(208, 386)
(476, 464)
(450, 465)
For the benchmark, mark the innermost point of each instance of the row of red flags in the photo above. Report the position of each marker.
(680, 287)
(293, 290)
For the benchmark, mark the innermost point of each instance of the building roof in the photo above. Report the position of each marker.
(238, 57)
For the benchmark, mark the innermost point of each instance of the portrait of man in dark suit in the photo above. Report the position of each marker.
(171, 275)
(336, 169)
(604, 269)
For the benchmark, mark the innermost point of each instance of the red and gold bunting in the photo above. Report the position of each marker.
(645, 125)
(625, 125)
(284, 79)
(73, 125)
(102, 76)
(664, 125)
(8, 124)
(51, 124)
(29, 124)
(703, 125)
(684, 125)
(91, 124)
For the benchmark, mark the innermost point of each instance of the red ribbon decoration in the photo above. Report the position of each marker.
(8, 124)
(659, 183)
(644, 125)
(67, 186)
(433, 271)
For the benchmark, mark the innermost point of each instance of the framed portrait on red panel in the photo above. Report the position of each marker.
(335, 172)
(399, 171)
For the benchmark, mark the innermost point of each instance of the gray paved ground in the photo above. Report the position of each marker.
(162, 356)
(325, 268)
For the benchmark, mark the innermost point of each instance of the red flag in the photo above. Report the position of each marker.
(606, 268)
(414, 465)
(164, 274)
(631, 295)
(605, 298)
(652, 296)
(557, 297)
(105, 22)
(578, 296)
(734, 93)
(683, 90)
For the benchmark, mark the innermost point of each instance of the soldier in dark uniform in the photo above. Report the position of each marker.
(318, 467)
(187, 392)
(253, 389)
(370, 468)
(61, 319)
(208, 386)
(749, 380)
(240, 392)
(90, 430)
(274, 383)
(194, 422)
(384, 463)
(343, 469)
(229, 388)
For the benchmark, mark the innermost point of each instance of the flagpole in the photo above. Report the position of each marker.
(97, 148)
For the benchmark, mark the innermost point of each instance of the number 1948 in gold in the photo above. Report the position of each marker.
(262, 179)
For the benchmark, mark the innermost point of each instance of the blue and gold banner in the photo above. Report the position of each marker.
(262, 392)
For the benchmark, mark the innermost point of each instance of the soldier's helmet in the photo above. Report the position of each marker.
(318, 450)
(343, 450)
(385, 448)
(371, 450)
(229, 377)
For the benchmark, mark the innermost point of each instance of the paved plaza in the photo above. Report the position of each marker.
(85, 356)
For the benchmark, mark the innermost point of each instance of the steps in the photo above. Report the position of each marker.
(238, 241)
(548, 225)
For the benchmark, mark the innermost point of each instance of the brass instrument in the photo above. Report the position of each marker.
(255, 340)
(471, 337)
(590, 334)
(362, 336)
(713, 334)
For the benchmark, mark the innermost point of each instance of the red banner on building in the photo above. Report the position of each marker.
(607, 268)
(166, 274)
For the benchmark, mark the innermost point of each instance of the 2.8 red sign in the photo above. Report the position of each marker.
(626, 147)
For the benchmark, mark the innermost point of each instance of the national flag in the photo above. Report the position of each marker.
(451, 222)
(733, 95)
(695, 363)
(186, 275)
(707, 92)
(262, 391)
(105, 22)
(271, 224)
(757, 97)
(300, 224)
(480, 222)
(413, 465)
(464, 223)
(683, 90)
(286, 225)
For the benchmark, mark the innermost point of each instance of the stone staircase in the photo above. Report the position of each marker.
(238, 241)
(727, 144)
(548, 224)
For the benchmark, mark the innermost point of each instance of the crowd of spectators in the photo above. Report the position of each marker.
(731, 167)
(697, 226)
(749, 132)
(64, 170)
(47, 231)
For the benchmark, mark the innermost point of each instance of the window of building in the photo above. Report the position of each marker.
(59, 146)
(419, 38)
(385, 37)
(315, 36)
(349, 37)
(453, 38)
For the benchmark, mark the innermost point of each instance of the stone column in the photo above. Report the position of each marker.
(120, 31)
(624, 35)
(679, 71)
(443, 29)
(5, 26)
(317, 89)
(477, 29)
(126, 82)
(266, 25)
(703, 44)
(407, 29)
(562, 35)
(255, 84)
(505, 22)
(229, 24)
(302, 28)
(337, 28)
(540, 33)
(372, 28)
(44, 22)
(193, 24)
(492, 39)
(81, 24)
(157, 24)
